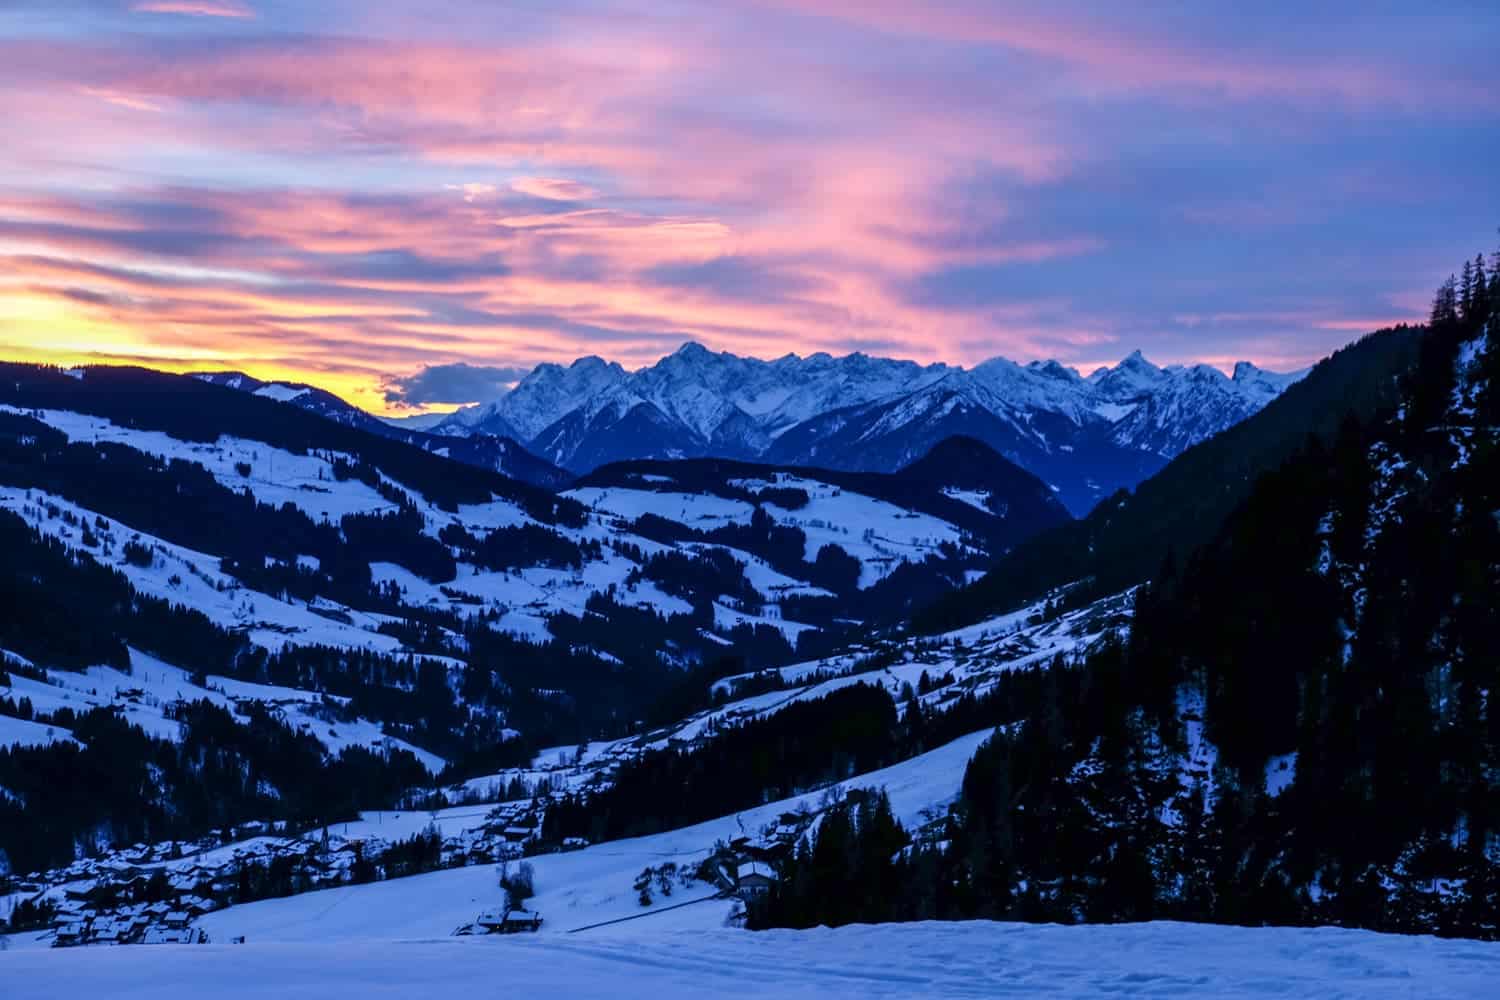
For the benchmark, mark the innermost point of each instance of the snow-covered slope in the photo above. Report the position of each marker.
(1084, 436)
(575, 889)
(148, 694)
(517, 564)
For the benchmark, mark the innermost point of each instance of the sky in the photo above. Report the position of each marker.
(411, 204)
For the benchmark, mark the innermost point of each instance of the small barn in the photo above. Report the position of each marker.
(520, 921)
(508, 921)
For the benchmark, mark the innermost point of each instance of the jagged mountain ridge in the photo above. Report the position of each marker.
(1085, 437)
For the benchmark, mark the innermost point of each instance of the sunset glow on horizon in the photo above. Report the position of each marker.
(350, 193)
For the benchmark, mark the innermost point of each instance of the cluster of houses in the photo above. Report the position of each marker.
(141, 923)
(148, 894)
(745, 867)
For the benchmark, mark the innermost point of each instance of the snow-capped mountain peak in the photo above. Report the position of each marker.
(1055, 369)
(1259, 383)
(547, 392)
(1131, 379)
(797, 409)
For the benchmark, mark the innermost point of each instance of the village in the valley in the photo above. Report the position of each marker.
(156, 893)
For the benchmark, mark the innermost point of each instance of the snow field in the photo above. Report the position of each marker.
(917, 961)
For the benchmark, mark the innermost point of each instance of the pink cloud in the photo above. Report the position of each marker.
(554, 188)
(195, 8)
(121, 99)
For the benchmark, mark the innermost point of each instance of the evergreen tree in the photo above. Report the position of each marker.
(1479, 304)
(1444, 304)
(1466, 292)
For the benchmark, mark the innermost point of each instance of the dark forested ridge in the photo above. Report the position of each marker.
(1300, 727)
(1123, 540)
(1020, 504)
(190, 409)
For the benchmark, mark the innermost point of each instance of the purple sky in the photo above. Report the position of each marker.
(350, 192)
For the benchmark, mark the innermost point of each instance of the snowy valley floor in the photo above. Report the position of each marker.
(913, 960)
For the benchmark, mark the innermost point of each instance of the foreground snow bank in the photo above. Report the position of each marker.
(910, 960)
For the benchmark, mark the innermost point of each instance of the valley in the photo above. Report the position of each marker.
(763, 498)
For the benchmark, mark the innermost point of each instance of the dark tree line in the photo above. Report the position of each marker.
(713, 572)
(784, 547)
(850, 869)
(518, 546)
(803, 746)
(74, 613)
(121, 785)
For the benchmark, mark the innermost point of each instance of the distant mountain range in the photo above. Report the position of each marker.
(1084, 436)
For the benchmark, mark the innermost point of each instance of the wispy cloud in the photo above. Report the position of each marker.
(121, 99)
(195, 8)
(554, 188)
